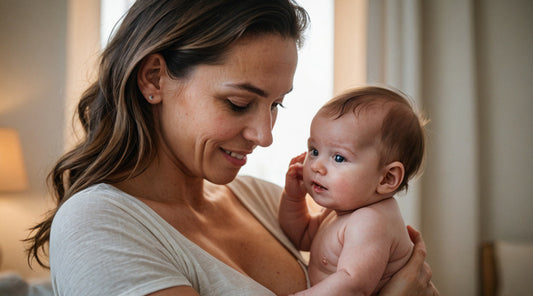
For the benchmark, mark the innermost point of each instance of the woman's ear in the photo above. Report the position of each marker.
(149, 77)
(391, 178)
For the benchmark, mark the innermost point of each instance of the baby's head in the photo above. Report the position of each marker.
(395, 128)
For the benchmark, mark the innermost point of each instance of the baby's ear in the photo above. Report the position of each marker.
(391, 178)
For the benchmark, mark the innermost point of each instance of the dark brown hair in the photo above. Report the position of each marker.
(119, 140)
(402, 130)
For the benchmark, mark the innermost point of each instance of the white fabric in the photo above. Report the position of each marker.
(106, 242)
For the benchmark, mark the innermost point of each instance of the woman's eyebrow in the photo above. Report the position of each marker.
(251, 88)
(248, 87)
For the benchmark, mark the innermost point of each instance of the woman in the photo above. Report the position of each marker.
(148, 202)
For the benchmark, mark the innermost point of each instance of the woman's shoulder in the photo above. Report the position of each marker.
(256, 193)
(259, 196)
(99, 233)
(93, 196)
(99, 203)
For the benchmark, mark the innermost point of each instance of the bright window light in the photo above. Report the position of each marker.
(111, 12)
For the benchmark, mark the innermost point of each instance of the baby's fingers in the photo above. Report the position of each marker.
(298, 159)
(295, 171)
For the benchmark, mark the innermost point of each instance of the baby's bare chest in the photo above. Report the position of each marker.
(326, 248)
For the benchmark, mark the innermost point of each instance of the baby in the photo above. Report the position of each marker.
(363, 148)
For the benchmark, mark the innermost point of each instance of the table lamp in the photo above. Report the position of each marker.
(12, 173)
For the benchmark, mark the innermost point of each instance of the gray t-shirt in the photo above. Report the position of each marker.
(106, 242)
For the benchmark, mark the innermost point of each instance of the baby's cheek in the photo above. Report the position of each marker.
(344, 177)
(349, 184)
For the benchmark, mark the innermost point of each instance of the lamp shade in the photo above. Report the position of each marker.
(12, 173)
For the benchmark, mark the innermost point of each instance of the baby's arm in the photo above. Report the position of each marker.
(294, 216)
(363, 259)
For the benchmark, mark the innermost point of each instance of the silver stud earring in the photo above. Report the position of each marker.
(150, 97)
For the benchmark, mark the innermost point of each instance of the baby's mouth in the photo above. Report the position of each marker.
(318, 186)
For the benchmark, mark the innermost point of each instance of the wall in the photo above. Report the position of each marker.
(48, 51)
(350, 39)
(32, 80)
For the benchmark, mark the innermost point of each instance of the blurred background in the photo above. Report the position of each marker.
(467, 63)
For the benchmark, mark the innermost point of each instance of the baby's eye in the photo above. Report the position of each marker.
(338, 158)
(313, 152)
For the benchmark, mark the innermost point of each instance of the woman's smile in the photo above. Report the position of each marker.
(235, 158)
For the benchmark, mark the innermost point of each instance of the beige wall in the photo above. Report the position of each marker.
(47, 48)
(349, 51)
(32, 80)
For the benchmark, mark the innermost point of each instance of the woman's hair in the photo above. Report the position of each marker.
(402, 130)
(119, 140)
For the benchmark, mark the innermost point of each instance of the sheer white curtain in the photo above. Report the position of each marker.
(450, 202)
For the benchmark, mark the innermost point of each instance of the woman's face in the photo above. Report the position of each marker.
(212, 119)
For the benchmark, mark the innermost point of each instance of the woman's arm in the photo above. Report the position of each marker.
(415, 277)
(181, 290)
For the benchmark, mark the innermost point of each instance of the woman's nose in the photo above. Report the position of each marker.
(259, 130)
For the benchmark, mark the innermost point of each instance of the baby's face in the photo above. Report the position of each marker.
(341, 170)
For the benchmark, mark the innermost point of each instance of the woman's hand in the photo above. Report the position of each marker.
(415, 277)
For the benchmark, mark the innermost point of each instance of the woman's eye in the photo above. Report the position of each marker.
(237, 107)
(276, 105)
(338, 158)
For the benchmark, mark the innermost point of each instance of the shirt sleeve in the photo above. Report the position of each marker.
(101, 246)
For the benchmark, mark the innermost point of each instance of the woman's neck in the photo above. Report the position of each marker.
(165, 184)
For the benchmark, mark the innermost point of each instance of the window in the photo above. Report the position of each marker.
(313, 86)
(111, 12)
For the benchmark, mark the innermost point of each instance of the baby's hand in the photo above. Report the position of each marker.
(294, 187)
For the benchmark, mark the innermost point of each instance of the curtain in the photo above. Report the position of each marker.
(427, 50)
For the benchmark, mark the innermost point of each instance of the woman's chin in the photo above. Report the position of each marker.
(222, 178)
